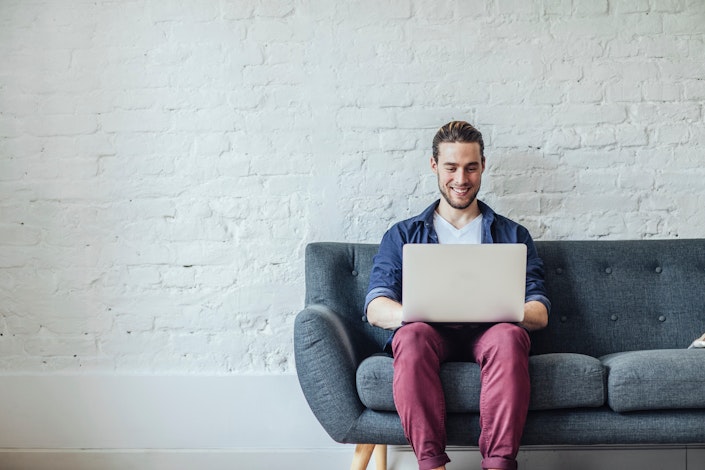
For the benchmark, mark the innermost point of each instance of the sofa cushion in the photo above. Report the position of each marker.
(565, 380)
(655, 379)
(558, 381)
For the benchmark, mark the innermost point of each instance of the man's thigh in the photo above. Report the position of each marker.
(507, 339)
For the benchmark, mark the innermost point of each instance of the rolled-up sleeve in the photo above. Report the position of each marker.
(535, 286)
(385, 278)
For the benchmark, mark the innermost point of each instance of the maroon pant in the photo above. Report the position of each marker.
(501, 350)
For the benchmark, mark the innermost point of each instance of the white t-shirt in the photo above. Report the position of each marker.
(447, 233)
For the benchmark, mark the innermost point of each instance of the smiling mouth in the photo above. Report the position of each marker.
(460, 192)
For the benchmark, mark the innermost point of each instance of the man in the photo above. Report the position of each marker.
(501, 349)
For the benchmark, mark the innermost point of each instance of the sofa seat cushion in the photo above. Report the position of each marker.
(558, 381)
(655, 379)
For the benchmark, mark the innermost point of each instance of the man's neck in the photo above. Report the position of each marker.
(458, 218)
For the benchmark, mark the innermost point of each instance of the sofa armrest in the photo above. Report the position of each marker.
(326, 365)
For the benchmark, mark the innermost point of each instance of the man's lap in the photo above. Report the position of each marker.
(460, 342)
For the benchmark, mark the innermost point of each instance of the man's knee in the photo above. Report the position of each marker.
(509, 333)
(421, 336)
(507, 340)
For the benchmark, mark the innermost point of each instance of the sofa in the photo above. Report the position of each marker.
(612, 367)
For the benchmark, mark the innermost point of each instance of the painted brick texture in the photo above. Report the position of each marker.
(163, 164)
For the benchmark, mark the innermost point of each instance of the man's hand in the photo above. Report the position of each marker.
(535, 316)
(384, 313)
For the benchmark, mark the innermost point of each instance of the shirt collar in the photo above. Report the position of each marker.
(426, 217)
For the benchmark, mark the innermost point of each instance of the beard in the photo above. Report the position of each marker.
(460, 202)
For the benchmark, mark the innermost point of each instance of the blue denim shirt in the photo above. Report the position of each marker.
(385, 279)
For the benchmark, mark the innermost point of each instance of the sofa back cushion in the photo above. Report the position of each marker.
(607, 296)
(337, 275)
(612, 296)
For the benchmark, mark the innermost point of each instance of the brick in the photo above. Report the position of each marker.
(642, 25)
(472, 9)
(592, 114)
(584, 27)
(16, 105)
(60, 346)
(356, 118)
(668, 6)
(558, 7)
(398, 140)
(594, 8)
(694, 89)
(624, 92)
(662, 46)
(672, 134)
(560, 139)
(625, 48)
(134, 344)
(598, 136)
(135, 121)
(585, 92)
(60, 125)
(177, 11)
(272, 30)
(19, 235)
(513, 114)
(516, 7)
(661, 91)
(673, 112)
(513, 138)
(434, 12)
(631, 6)
(237, 10)
(630, 135)
(362, 11)
(599, 159)
(566, 71)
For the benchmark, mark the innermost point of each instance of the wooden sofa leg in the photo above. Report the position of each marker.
(363, 453)
(380, 457)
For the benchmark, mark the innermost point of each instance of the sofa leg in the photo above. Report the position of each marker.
(381, 457)
(363, 453)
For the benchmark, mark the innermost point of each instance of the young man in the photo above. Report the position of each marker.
(419, 349)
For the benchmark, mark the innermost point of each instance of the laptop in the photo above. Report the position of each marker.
(463, 283)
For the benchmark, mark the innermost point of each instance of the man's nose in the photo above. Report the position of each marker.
(460, 177)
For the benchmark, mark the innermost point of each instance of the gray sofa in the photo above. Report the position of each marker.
(611, 368)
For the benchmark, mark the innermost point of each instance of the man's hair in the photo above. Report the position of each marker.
(457, 132)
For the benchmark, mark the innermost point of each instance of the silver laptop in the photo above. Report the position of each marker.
(463, 283)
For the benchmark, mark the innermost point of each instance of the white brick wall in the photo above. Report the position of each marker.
(163, 164)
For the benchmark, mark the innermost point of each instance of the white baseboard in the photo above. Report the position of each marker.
(260, 459)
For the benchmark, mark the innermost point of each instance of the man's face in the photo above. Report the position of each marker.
(459, 170)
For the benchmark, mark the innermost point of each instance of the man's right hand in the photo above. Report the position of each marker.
(384, 313)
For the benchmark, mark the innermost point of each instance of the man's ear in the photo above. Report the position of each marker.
(434, 165)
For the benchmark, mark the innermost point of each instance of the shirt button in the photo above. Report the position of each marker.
(659, 270)
(354, 273)
(608, 270)
(662, 318)
(614, 317)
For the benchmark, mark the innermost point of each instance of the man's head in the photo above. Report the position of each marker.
(458, 161)
(460, 132)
